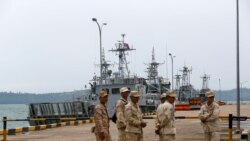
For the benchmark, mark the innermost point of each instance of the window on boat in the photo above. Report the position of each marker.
(115, 91)
(132, 81)
(153, 97)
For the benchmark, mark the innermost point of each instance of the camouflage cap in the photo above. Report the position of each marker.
(124, 89)
(103, 93)
(209, 94)
(163, 95)
(171, 94)
(135, 94)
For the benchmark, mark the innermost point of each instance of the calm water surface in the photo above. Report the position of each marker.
(14, 111)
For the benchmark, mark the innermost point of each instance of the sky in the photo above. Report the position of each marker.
(53, 45)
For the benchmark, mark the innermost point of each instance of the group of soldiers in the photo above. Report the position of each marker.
(130, 123)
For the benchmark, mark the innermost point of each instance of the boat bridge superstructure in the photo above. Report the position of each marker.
(205, 87)
(186, 90)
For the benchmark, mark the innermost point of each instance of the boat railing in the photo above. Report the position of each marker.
(58, 109)
(126, 81)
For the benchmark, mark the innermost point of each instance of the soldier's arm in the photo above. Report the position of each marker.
(167, 117)
(201, 114)
(157, 122)
(130, 118)
(120, 115)
(215, 114)
(98, 120)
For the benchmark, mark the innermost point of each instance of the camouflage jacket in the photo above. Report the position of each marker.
(120, 113)
(133, 118)
(212, 123)
(166, 118)
(101, 118)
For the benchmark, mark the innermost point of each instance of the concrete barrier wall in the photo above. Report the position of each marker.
(81, 122)
(19, 130)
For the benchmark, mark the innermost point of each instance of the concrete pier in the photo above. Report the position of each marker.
(187, 129)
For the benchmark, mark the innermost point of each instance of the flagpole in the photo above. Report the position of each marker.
(238, 63)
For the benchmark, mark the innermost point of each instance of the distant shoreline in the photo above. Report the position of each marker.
(235, 102)
(227, 103)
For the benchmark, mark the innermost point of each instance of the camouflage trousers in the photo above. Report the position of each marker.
(212, 136)
(134, 136)
(107, 136)
(167, 137)
(122, 135)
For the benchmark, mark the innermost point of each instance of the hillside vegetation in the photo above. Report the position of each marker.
(25, 98)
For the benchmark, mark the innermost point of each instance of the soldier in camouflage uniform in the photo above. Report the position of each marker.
(134, 122)
(120, 113)
(209, 116)
(157, 123)
(165, 124)
(102, 119)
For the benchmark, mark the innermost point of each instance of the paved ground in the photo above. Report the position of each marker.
(82, 133)
(188, 129)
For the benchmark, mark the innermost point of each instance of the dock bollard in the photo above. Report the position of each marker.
(230, 127)
(4, 129)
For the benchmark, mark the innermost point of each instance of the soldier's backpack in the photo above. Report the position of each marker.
(114, 118)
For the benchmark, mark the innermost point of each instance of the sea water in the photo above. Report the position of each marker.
(14, 111)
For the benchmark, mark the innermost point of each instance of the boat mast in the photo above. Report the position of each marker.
(121, 48)
(205, 79)
(125, 61)
(177, 81)
(186, 76)
(185, 90)
(152, 69)
(105, 65)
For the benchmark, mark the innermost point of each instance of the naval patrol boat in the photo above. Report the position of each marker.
(112, 81)
(150, 89)
(156, 85)
(187, 97)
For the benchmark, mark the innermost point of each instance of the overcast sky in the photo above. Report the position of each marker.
(53, 45)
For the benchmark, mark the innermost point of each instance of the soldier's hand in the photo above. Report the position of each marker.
(210, 115)
(204, 119)
(124, 127)
(143, 124)
(102, 135)
(157, 131)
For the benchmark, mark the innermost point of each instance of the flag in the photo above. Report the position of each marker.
(125, 46)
